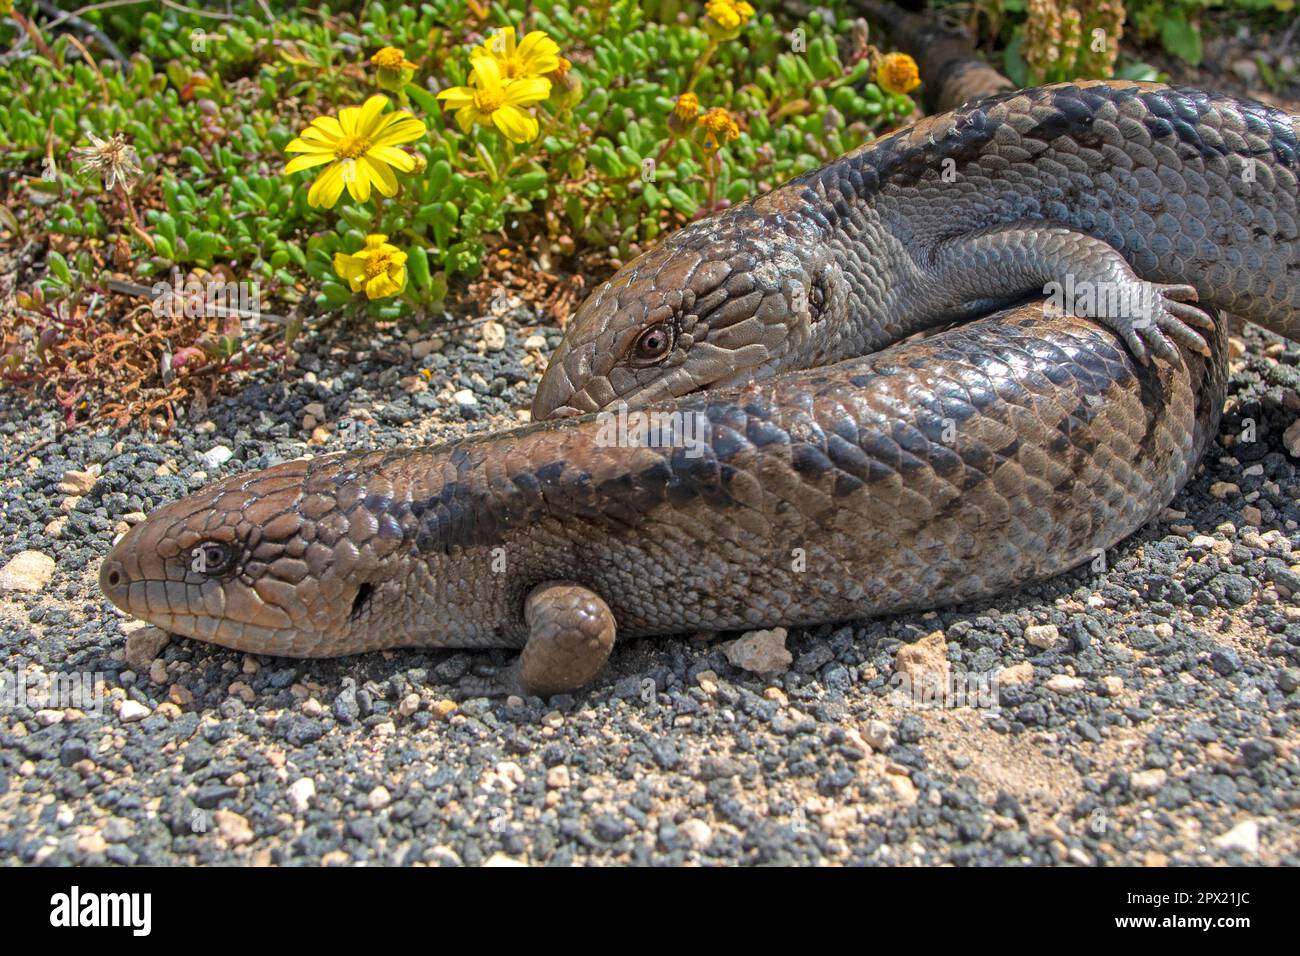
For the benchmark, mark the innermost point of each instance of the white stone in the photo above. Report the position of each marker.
(131, 711)
(1291, 439)
(144, 645)
(1148, 781)
(301, 792)
(215, 457)
(878, 735)
(1244, 837)
(78, 482)
(494, 336)
(1063, 684)
(1016, 674)
(1045, 636)
(760, 652)
(698, 832)
(28, 571)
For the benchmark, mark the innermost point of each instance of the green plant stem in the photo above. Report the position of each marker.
(700, 64)
(714, 165)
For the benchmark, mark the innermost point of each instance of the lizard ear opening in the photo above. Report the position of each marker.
(816, 299)
(361, 601)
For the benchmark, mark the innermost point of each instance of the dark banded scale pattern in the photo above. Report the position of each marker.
(1114, 183)
(1005, 450)
(830, 494)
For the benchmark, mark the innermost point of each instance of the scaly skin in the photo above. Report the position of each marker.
(937, 471)
(1116, 186)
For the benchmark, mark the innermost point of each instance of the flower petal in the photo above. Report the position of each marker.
(348, 117)
(350, 268)
(538, 54)
(501, 44)
(538, 42)
(523, 92)
(457, 96)
(301, 145)
(305, 146)
(356, 179)
(380, 287)
(378, 173)
(368, 120)
(403, 131)
(317, 134)
(392, 156)
(325, 190)
(515, 124)
(327, 125)
(487, 71)
(299, 163)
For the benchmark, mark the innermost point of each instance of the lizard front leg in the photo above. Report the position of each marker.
(993, 267)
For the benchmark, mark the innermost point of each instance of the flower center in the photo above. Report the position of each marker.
(350, 147)
(377, 264)
(488, 101)
(688, 107)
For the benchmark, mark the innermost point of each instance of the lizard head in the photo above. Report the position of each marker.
(270, 562)
(728, 300)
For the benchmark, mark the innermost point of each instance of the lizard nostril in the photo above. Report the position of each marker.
(112, 579)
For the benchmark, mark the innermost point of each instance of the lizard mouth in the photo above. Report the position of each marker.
(709, 367)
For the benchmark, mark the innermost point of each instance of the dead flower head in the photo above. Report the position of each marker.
(114, 159)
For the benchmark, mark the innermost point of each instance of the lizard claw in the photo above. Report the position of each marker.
(1168, 314)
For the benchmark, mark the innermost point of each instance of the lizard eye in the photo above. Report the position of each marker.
(211, 557)
(653, 344)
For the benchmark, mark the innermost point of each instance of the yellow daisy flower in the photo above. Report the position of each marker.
(536, 55)
(718, 127)
(378, 268)
(392, 58)
(685, 111)
(393, 69)
(897, 73)
(492, 100)
(361, 149)
(687, 107)
(724, 18)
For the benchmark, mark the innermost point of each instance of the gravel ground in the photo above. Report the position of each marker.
(1145, 713)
